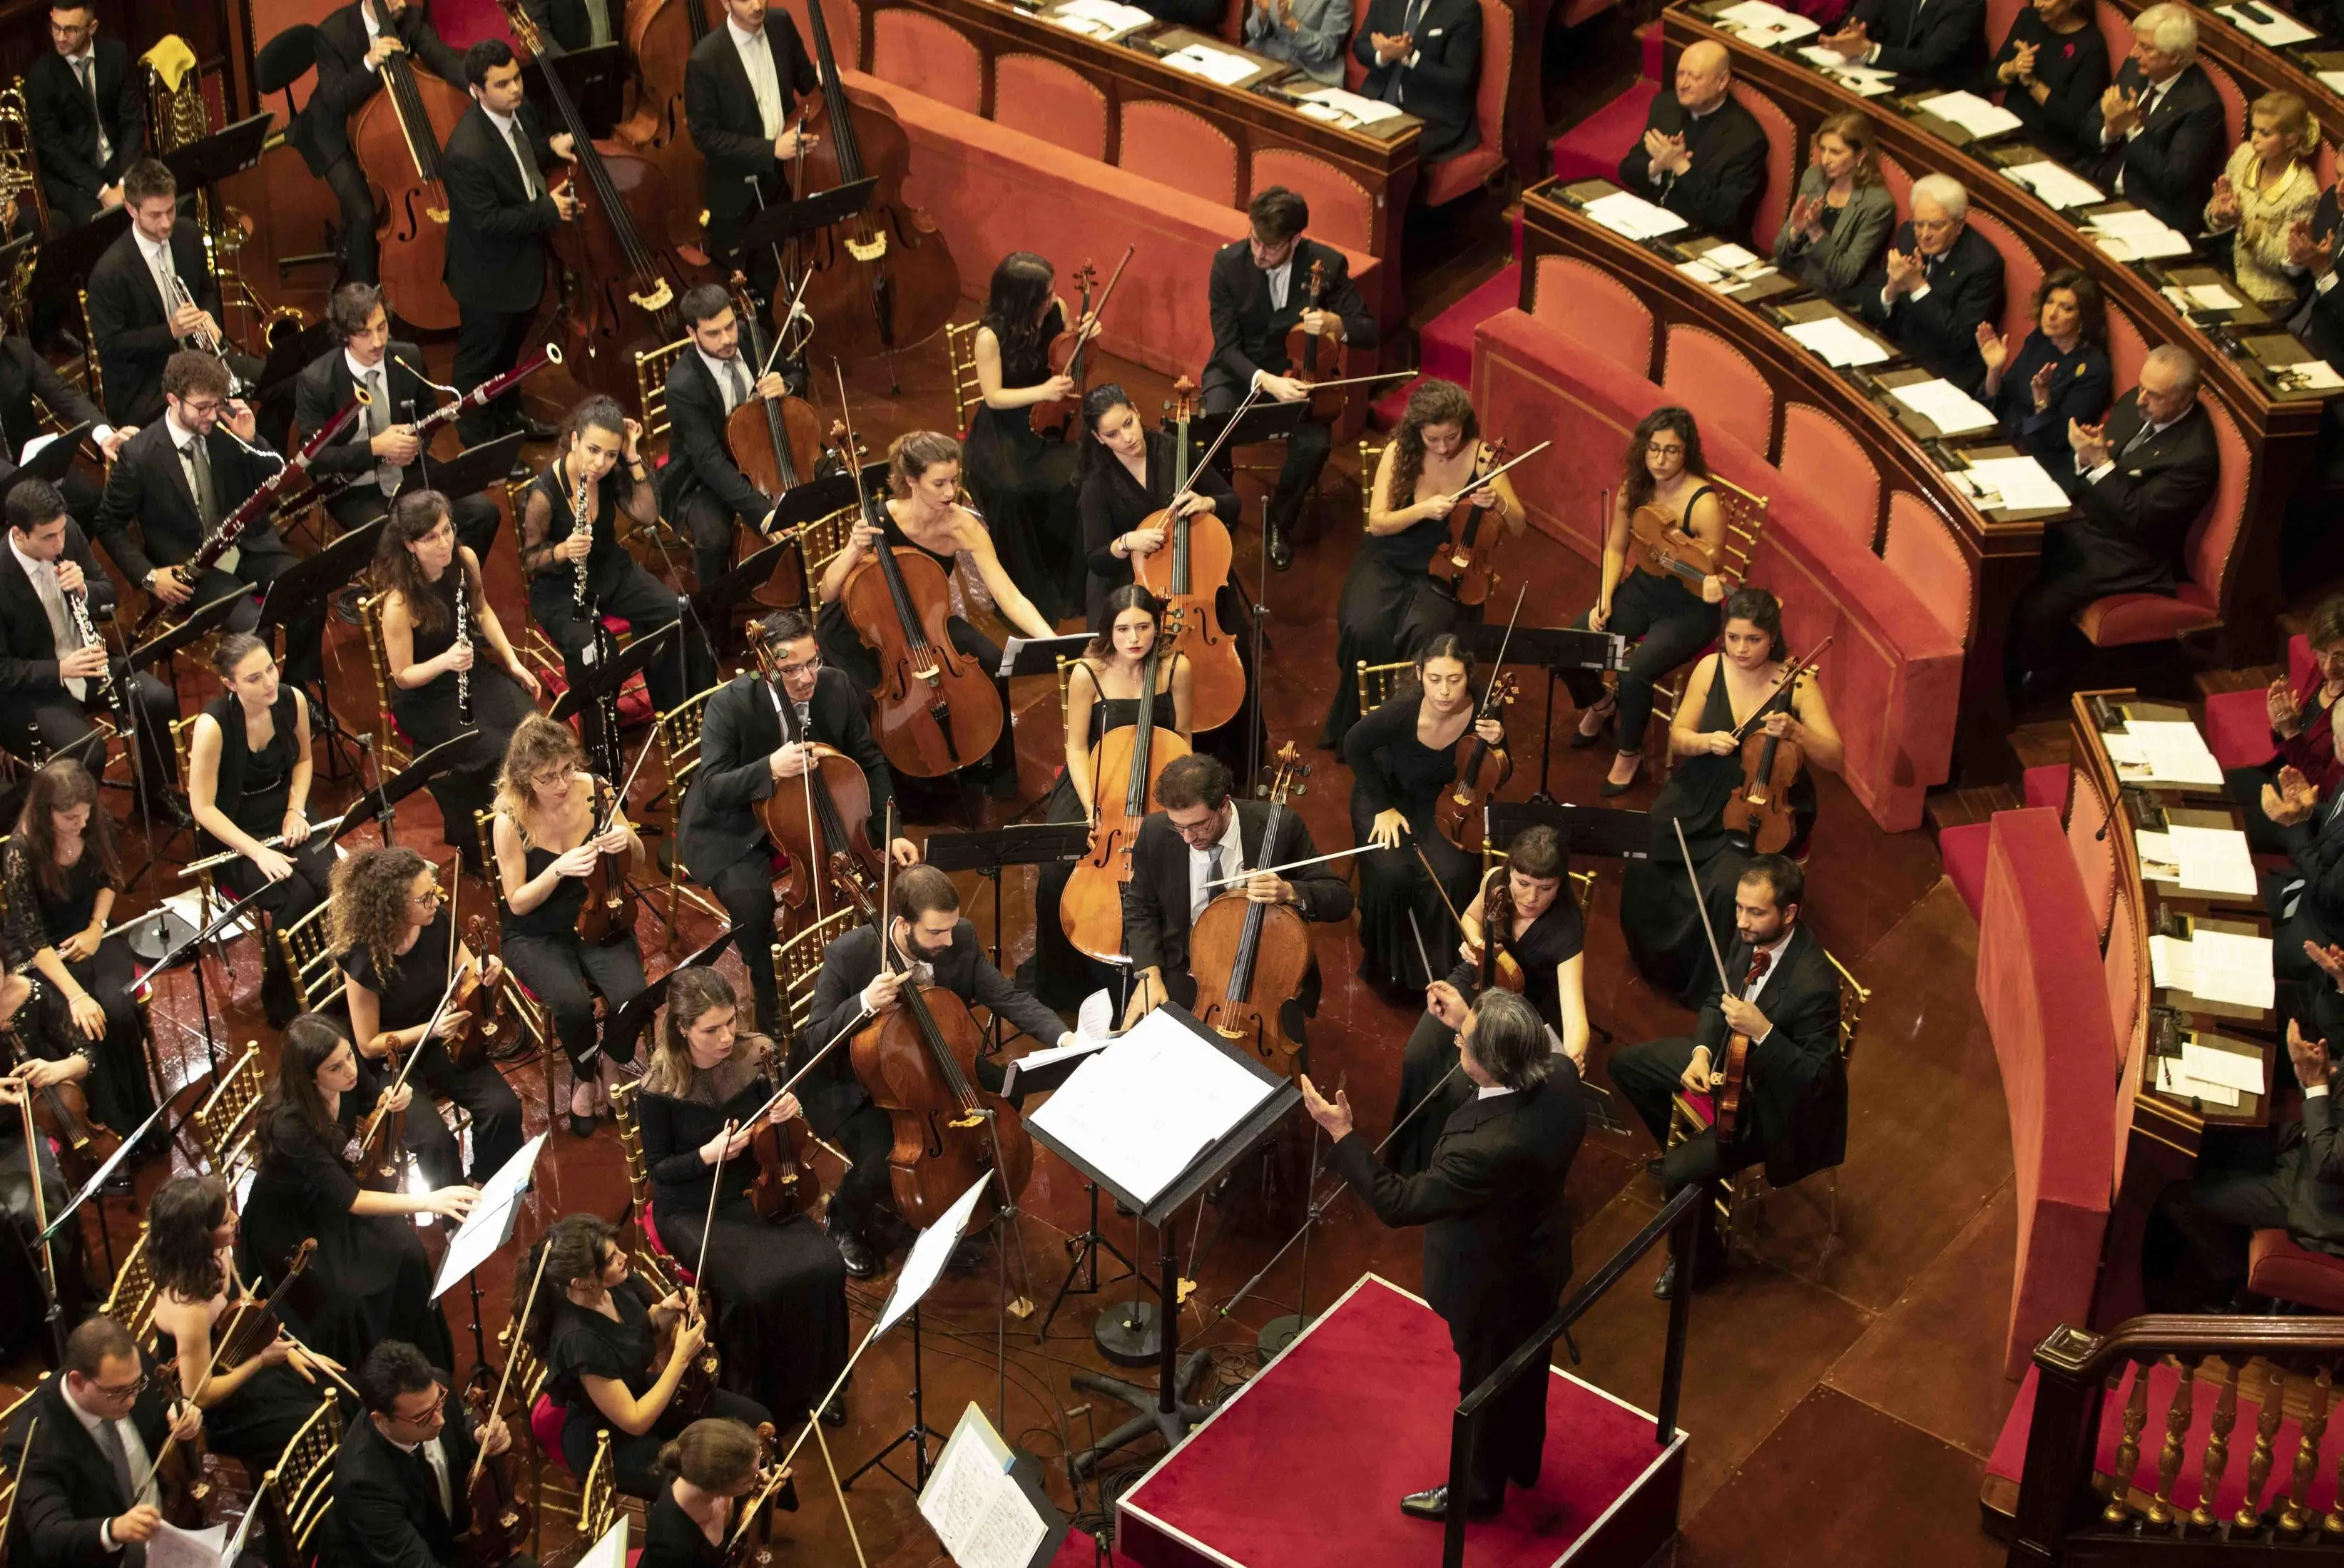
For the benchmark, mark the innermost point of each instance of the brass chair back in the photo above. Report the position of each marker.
(630, 1146)
(309, 956)
(1378, 683)
(652, 368)
(1370, 454)
(598, 1497)
(960, 361)
(820, 541)
(297, 1493)
(388, 745)
(797, 961)
(131, 1300)
(227, 1121)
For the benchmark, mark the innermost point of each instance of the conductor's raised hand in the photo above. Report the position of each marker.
(1446, 1003)
(1334, 1115)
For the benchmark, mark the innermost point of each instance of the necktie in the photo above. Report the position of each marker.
(1218, 869)
(737, 383)
(85, 67)
(199, 480)
(528, 164)
(62, 633)
(1759, 960)
(434, 1464)
(1409, 17)
(2138, 436)
(117, 1459)
(386, 474)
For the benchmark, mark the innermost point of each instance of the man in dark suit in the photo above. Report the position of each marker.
(352, 49)
(1936, 283)
(401, 1478)
(1941, 42)
(86, 113)
(1497, 1229)
(743, 751)
(26, 374)
(499, 212)
(379, 455)
(1201, 835)
(739, 88)
(1425, 57)
(83, 1449)
(925, 926)
(577, 24)
(1793, 1106)
(2139, 479)
(151, 294)
(2306, 900)
(49, 678)
(2160, 124)
(701, 487)
(2297, 1187)
(1259, 291)
(1703, 155)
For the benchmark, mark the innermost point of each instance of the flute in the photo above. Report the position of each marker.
(277, 842)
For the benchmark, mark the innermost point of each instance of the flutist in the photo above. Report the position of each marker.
(151, 294)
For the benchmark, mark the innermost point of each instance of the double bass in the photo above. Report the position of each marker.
(1187, 575)
(1124, 767)
(776, 443)
(821, 820)
(1249, 960)
(396, 139)
(1760, 808)
(660, 36)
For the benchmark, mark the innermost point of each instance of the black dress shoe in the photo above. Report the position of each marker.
(1434, 1504)
(171, 810)
(581, 1126)
(1585, 740)
(1281, 553)
(854, 1253)
(1665, 1287)
(834, 1413)
(967, 1258)
(1704, 1275)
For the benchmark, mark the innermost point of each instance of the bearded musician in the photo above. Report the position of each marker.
(703, 487)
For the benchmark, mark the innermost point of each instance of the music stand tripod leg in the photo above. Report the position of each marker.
(1542, 795)
(1084, 1250)
(917, 1434)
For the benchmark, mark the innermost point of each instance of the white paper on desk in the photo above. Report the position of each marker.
(2278, 30)
(2022, 483)
(1971, 113)
(2231, 1069)
(172, 1547)
(2215, 859)
(980, 1516)
(1111, 15)
(1144, 1109)
(2054, 185)
(1082, 24)
(2211, 297)
(2137, 237)
(2172, 1080)
(2234, 969)
(2171, 964)
(1365, 111)
(1837, 342)
(2159, 861)
(1764, 26)
(1732, 257)
(2311, 376)
(1213, 65)
(1623, 212)
(2175, 752)
(1954, 411)
(1703, 273)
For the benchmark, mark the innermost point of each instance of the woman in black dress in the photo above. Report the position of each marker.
(1402, 756)
(432, 588)
(1726, 690)
(2059, 375)
(595, 1330)
(248, 782)
(703, 1473)
(547, 808)
(2050, 72)
(1545, 934)
(62, 876)
(252, 1409)
(368, 1280)
(1019, 476)
(390, 933)
(779, 1286)
(1391, 606)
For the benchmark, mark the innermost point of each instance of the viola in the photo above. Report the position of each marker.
(60, 1110)
(1315, 357)
(382, 1139)
(776, 443)
(1499, 967)
(1760, 806)
(502, 1519)
(1465, 564)
(487, 1005)
(182, 1495)
(1059, 418)
(660, 35)
(786, 1183)
(1482, 769)
(818, 818)
(608, 916)
(247, 1327)
(1248, 959)
(1124, 767)
(397, 138)
(701, 1376)
(1657, 545)
(1187, 575)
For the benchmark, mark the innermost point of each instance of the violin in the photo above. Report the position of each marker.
(1760, 806)
(1132, 756)
(248, 1326)
(502, 1519)
(382, 1137)
(487, 1005)
(608, 916)
(820, 819)
(1657, 545)
(1249, 960)
(1482, 769)
(701, 1376)
(786, 1183)
(776, 443)
(60, 1110)
(776, 1488)
(182, 1495)
(1187, 576)
(1464, 564)
(1059, 419)
(1315, 357)
(397, 139)
(1499, 967)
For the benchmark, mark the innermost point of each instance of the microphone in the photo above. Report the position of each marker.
(417, 371)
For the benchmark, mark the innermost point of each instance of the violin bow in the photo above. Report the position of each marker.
(1422, 957)
(415, 1051)
(504, 1378)
(1446, 902)
(40, 1203)
(619, 801)
(1498, 664)
(1787, 681)
(1707, 930)
(1481, 480)
(1084, 334)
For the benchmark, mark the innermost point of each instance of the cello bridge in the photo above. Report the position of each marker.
(436, 214)
(974, 1118)
(657, 299)
(868, 250)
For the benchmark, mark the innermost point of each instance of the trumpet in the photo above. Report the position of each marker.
(208, 342)
(579, 523)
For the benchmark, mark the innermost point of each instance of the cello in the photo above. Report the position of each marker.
(1091, 906)
(1188, 577)
(820, 819)
(1249, 960)
(1057, 418)
(1315, 357)
(1760, 807)
(396, 139)
(777, 443)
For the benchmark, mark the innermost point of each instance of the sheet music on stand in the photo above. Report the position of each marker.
(491, 1223)
(984, 1514)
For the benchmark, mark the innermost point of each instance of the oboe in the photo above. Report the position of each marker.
(579, 524)
(80, 602)
(464, 635)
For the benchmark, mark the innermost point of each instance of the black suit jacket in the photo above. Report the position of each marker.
(66, 1488)
(1795, 1091)
(149, 486)
(1944, 45)
(852, 963)
(571, 26)
(1439, 87)
(739, 730)
(2315, 849)
(28, 649)
(496, 249)
(321, 131)
(2131, 524)
(386, 1507)
(26, 374)
(63, 121)
(720, 110)
(2315, 1205)
(2170, 168)
(698, 461)
(1156, 899)
(1941, 330)
(1719, 188)
(325, 387)
(130, 325)
(1248, 335)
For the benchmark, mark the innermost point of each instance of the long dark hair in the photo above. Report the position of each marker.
(573, 1249)
(395, 571)
(180, 1219)
(310, 1041)
(692, 993)
(1097, 403)
(1130, 596)
(1434, 402)
(1021, 287)
(61, 785)
(1762, 610)
(1636, 484)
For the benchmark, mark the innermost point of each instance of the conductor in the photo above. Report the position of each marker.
(1496, 1232)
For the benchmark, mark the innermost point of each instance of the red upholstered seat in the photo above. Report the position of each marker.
(1999, 16)
(1181, 148)
(2123, 619)
(651, 1235)
(1923, 552)
(1355, 74)
(1711, 377)
(1341, 211)
(2234, 102)
(1461, 175)
(2128, 350)
(1898, 182)
(2048, 786)
(2116, 31)
(2120, 965)
(1046, 99)
(2277, 1268)
(1782, 162)
(928, 54)
(2022, 274)
(1817, 446)
(545, 1422)
(1592, 148)
(1591, 307)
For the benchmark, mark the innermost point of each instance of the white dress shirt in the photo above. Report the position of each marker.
(757, 59)
(163, 270)
(532, 180)
(43, 575)
(1491, 1091)
(1231, 848)
(723, 369)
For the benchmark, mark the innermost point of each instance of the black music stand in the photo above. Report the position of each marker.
(63, 262)
(631, 1017)
(375, 803)
(190, 949)
(589, 685)
(987, 851)
(1554, 649)
(1082, 1251)
(229, 150)
(289, 358)
(1266, 420)
(308, 583)
(50, 462)
(595, 76)
(816, 498)
(712, 606)
(469, 471)
(782, 222)
(1603, 831)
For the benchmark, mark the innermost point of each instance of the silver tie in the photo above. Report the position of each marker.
(86, 68)
(386, 472)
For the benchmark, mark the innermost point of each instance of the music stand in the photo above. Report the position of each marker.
(231, 150)
(190, 949)
(50, 462)
(646, 1003)
(95, 1189)
(712, 606)
(63, 262)
(469, 471)
(1554, 649)
(589, 685)
(1603, 832)
(289, 358)
(486, 1229)
(780, 222)
(386, 794)
(1264, 421)
(987, 851)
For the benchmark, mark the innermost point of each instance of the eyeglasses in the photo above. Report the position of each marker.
(430, 895)
(432, 1417)
(121, 1392)
(800, 672)
(1664, 449)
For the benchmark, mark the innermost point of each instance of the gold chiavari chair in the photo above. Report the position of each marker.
(1379, 683)
(227, 1122)
(678, 732)
(960, 361)
(798, 961)
(390, 748)
(297, 1493)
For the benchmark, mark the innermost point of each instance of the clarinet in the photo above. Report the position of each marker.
(104, 677)
(463, 634)
(579, 523)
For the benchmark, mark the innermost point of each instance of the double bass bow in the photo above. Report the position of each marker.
(1460, 814)
(1059, 418)
(1124, 767)
(1250, 959)
(1188, 575)
(1760, 806)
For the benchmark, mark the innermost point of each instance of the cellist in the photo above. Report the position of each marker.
(1123, 478)
(703, 487)
(739, 88)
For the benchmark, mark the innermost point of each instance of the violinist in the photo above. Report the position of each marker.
(922, 513)
(1666, 478)
(1403, 755)
(1259, 292)
(1391, 604)
(779, 1286)
(390, 932)
(599, 457)
(86, 114)
(1544, 936)
(1784, 997)
(547, 807)
(151, 294)
(1124, 478)
(927, 931)
(1734, 696)
(63, 875)
(702, 1474)
(740, 86)
(83, 1448)
(432, 587)
(1020, 477)
(1204, 834)
(744, 752)
(1105, 690)
(248, 770)
(354, 41)
(253, 1408)
(703, 487)
(391, 1511)
(595, 1331)
(368, 1279)
(24, 1272)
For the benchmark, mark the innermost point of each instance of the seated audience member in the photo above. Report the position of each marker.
(2306, 900)
(1939, 282)
(1842, 215)
(2268, 186)
(2050, 72)
(2301, 1189)
(2059, 376)
(2319, 321)
(1306, 34)
(2137, 480)
(2302, 732)
(1425, 57)
(2159, 127)
(1937, 41)
(1703, 155)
